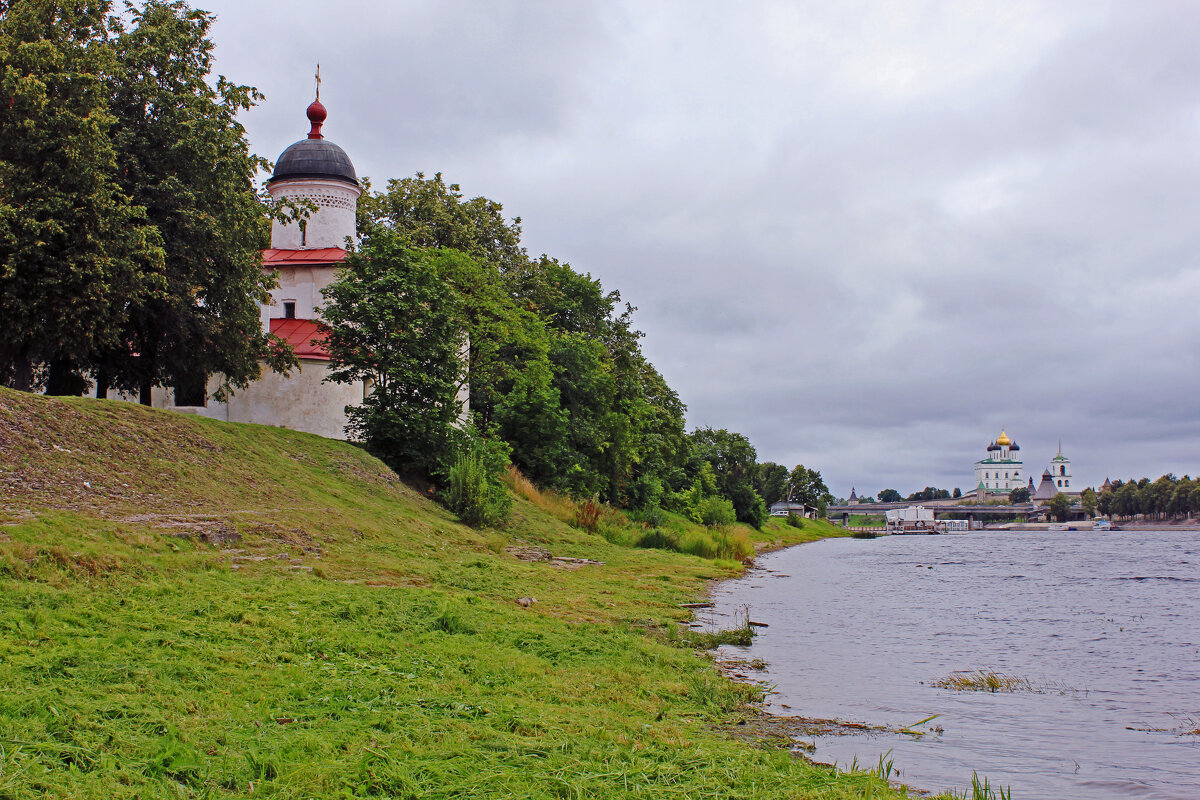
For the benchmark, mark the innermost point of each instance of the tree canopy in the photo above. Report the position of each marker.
(130, 229)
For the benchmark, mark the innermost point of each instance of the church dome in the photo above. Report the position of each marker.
(993, 447)
(1003, 441)
(1014, 446)
(315, 157)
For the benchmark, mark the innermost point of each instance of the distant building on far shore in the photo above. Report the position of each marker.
(1060, 470)
(1001, 471)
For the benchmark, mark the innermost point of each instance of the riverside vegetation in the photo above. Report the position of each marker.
(190, 608)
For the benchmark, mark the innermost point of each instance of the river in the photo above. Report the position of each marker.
(1104, 628)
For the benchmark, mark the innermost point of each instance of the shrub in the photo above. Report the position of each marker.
(588, 514)
(476, 495)
(658, 539)
(795, 520)
(714, 512)
(651, 517)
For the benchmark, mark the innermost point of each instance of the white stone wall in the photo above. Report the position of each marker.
(328, 226)
(300, 401)
(301, 285)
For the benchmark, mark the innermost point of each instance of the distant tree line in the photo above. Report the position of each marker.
(928, 493)
(1165, 498)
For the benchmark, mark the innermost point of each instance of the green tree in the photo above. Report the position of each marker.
(1060, 506)
(74, 249)
(889, 496)
(185, 158)
(1019, 495)
(733, 461)
(771, 482)
(555, 363)
(1087, 501)
(394, 325)
(431, 213)
(929, 493)
(808, 487)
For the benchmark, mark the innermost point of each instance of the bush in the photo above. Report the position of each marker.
(795, 520)
(651, 517)
(474, 492)
(587, 515)
(713, 512)
(659, 539)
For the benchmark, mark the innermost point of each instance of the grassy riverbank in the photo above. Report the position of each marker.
(199, 609)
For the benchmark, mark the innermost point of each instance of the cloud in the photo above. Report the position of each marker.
(866, 235)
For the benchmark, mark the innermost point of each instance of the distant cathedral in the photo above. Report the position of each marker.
(1001, 470)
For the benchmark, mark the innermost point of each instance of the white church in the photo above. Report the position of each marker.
(305, 256)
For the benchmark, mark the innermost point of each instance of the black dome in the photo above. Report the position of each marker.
(314, 158)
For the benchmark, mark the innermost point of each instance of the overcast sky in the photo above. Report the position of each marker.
(865, 234)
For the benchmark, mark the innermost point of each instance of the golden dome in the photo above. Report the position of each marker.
(1003, 441)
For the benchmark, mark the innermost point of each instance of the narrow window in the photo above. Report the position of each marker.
(289, 309)
(303, 232)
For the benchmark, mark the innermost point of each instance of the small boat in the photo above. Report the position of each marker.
(1104, 525)
(1057, 526)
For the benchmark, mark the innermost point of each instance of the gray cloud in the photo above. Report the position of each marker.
(865, 235)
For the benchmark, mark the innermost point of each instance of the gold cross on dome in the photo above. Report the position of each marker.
(318, 80)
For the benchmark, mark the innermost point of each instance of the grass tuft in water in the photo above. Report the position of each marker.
(984, 680)
(985, 791)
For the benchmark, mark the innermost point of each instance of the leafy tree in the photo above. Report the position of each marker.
(1019, 495)
(73, 248)
(393, 325)
(428, 212)
(808, 487)
(732, 459)
(957, 493)
(1087, 500)
(1060, 506)
(185, 158)
(555, 363)
(889, 496)
(770, 481)
(929, 493)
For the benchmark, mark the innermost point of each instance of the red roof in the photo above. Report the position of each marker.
(306, 336)
(303, 258)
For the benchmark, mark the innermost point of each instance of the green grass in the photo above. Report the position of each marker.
(199, 609)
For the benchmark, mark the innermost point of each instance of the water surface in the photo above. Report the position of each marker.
(1107, 623)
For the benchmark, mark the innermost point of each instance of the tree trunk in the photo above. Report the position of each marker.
(22, 375)
(144, 396)
(57, 378)
(102, 380)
